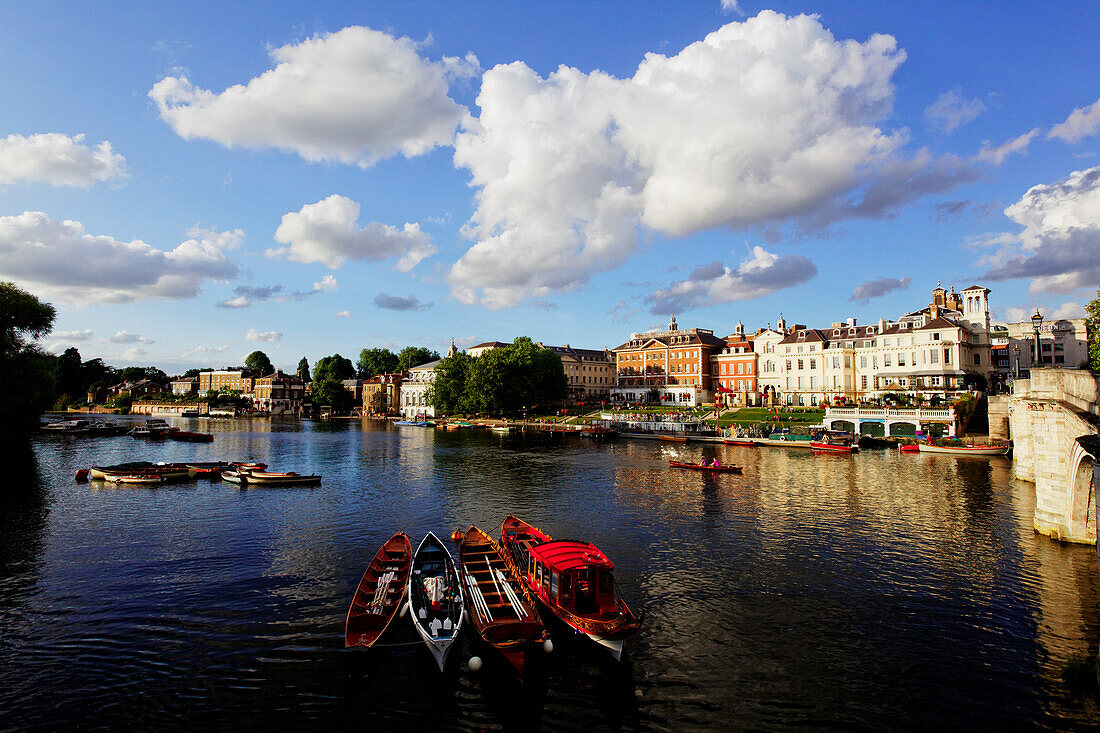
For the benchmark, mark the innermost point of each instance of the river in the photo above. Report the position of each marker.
(881, 591)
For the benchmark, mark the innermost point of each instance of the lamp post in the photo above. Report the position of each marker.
(1037, 322)
(1017, 350)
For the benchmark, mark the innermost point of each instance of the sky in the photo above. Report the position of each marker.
(190, 182)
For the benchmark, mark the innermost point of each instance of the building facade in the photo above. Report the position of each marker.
(589, 372)
(734, 371)
(415, 390)
(672, 367)
(278, 393)
(382, 394)
(240, 380)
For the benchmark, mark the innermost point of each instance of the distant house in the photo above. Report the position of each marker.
(355, 386)
(139, 388)
(184, 386)
(278, 393)
(232, 378)
(382, 394)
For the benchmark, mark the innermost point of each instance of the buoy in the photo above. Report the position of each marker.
(548, 646)
(457, 536)
(82, 475)
(475, 664)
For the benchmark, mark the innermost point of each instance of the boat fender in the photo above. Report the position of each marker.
(404, 610)
(475, 664)
(82, 475)
(457, 536)
(548, 646)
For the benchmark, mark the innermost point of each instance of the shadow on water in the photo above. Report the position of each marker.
(23, 511)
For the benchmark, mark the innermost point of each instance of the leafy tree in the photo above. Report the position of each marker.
(195, 372)
(448, 392)
(376, 361)
(70, 377)
(1092, 328)
(258, 360)
(329, 391)
(333, 367)
(414, 356)
(27, 374)
(136, 374)
(303, 369)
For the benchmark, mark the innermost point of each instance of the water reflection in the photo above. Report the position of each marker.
(879, 591)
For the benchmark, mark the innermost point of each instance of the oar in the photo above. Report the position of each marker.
(516, 605)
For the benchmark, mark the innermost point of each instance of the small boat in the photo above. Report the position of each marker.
(500, 609)
(144, 479)
(186, 436)
(909, 448)
(673, 438)
(599, 433)
(380, 593)
(170, 471)
(965, 450)
(459, 425)
(705, 467)
(573, 580)
(435, 597)
(246, 477)
(833, 447)
(502, 429)
(744, 442)
(412, 423)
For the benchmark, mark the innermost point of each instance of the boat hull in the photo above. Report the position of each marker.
(709, 469)
(432, 561)
(833, 448)
(976, 450)
(369, 614)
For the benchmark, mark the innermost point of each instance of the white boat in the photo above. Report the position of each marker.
(435, 597)
(965, 450)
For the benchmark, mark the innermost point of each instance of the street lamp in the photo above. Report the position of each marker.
(1037, 322)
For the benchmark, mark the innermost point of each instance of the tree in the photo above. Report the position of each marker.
(448, 391)
(376, 361)
(27, 374)
(333, 367)
(95, 373)
(1092, 328)
(258, 360)
(70, 377)
(329, 391)
(303, 369)
(136, 374)
(414, 356)
(502, 381)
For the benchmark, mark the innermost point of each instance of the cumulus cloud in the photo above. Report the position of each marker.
(204, 351)
(760, 274)
(254, 335)
(952, 110)
(58, 160)
(326, 285)
(398, 303)
(1067, 310)
(344, 314)
(59, 259)
(328, 232)
(731, 6)
(247, 295)
(354, 96)
(85, 335)
(765, 121)
(1060, 240)
(996, 155)
(1083, 122)
(879, 287)
(125, 337)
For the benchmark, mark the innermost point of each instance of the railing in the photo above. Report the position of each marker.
(890, 412)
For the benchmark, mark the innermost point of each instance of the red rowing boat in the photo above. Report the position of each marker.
(834, 447)
(703, 467)
(380, 594)
(572, 579)
(745, 442)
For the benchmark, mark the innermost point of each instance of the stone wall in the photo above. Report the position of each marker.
(999, 428)
(1046, 416)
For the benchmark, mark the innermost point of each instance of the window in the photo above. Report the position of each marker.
(935, 337)
(799, 365)
(863, 362)
(788, 365)
(886, 360)
(812, 347)
(836, 362)
(977, 359)
(813, 382)
(934, 356)
(800, 382)
(863, 381)
(947, 357)
(554, 582)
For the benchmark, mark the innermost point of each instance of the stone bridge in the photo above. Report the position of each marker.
(1052, 420)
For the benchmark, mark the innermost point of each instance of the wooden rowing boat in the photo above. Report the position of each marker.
(965, 450)
(246, 477)
(380, 593)
(499, 607)
(824, 447)
(673, 438)
(573, 580)
(148, 479)
(170, 471)
(701, 467)
(435, 597)
(744, 442)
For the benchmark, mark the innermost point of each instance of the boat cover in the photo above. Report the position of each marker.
(563, 555)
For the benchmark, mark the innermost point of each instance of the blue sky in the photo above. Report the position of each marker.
(190, 182)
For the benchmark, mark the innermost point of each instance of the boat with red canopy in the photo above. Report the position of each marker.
(380, 593)
(573, 579)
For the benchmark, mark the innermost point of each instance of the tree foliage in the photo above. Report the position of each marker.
(27, 374)
(258, 360)
(376, 361)
(414, 356)
(333, 367)
(70, 376)
(1092, 328)
(136, 374)
(330, 392)
(303, 369)
(504, 381)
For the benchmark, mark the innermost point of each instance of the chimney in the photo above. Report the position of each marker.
(851, 322)
(881, 325)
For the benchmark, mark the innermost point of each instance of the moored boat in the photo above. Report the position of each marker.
(744, 442)
(705, 467)
(573, 580)
(170, 471)
(599, 433)
(143, 479)
(380, 593)
(833, 447)
(673, 438)
(499, 606)
(247, 477)
(965, 450)
(435, 597)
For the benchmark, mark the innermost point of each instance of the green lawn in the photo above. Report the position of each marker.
(751, 415)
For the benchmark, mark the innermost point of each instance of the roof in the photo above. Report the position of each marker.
(562, 555)
(940, 322)
(489, 345)
(430, 366)
(693, 338)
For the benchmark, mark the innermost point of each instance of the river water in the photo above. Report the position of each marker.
(881, 591)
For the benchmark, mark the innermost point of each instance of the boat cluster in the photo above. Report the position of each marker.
(495, 588)
(237, 472)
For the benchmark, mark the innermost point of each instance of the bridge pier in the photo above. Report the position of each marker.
(1047, 414)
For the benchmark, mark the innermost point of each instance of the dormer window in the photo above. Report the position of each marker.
(801, 334)
(851, 332)
(836, 331)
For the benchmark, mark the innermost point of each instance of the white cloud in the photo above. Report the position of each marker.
(731, 6)
(354, 96)
(1060, 240)
(134, 353)
(997, 155)
(879, 287)
(328, 232)
(762, 273)
(254, 335)
(60, 260)
(1082, 122)
(951, 110)
(764, 121)
(344, 314)
(58, 160)
(124, 337)
(325, 285)
(1067, 310)
(204, 351)
(85, 335)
